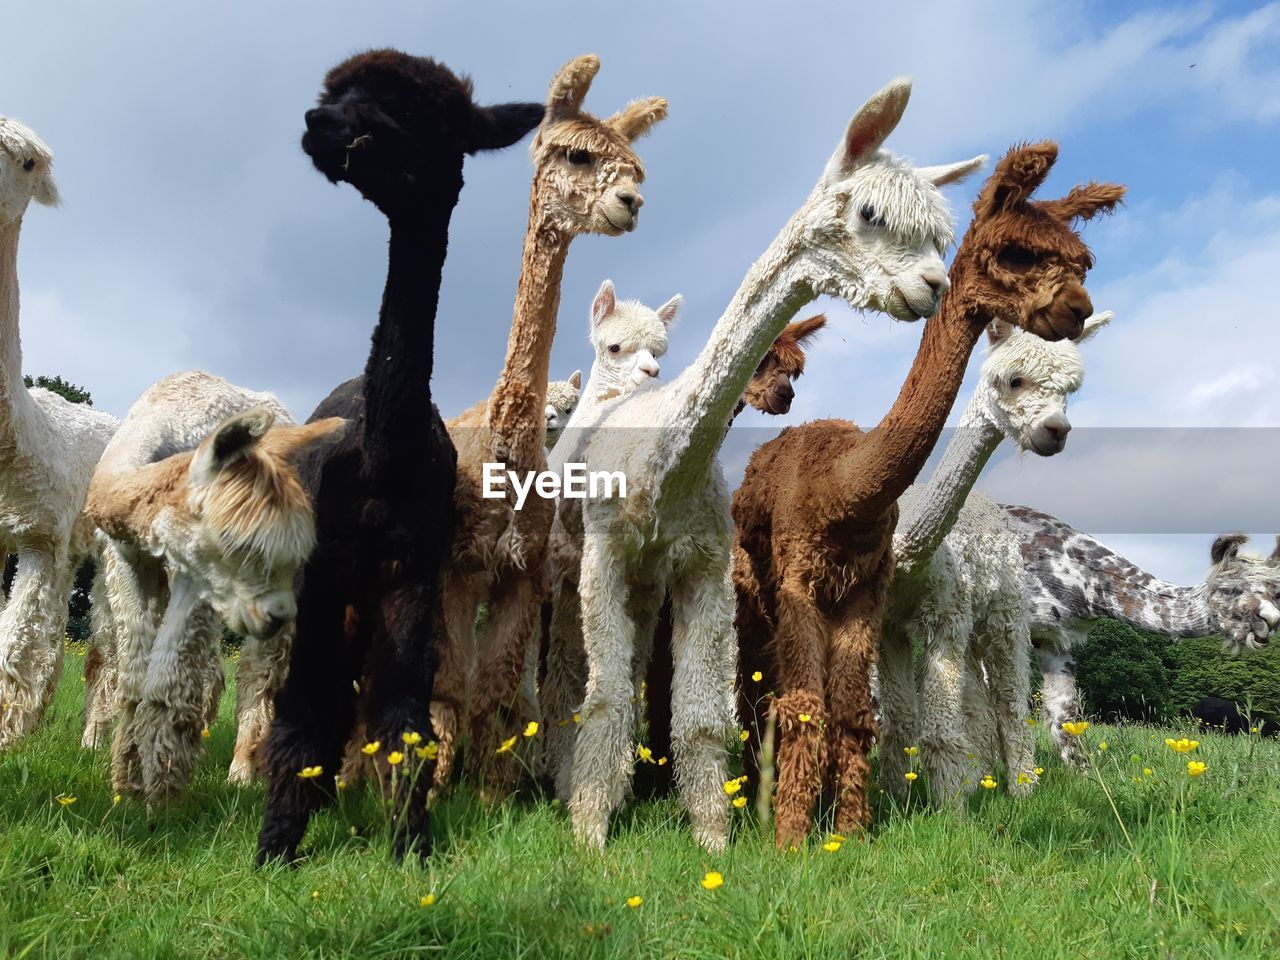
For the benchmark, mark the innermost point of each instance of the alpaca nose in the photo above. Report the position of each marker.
(1057, 427)
(631, 199)
(786, 392)
(320, 119)
(938, 283)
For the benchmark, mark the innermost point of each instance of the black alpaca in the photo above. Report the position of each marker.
(396, 128)
(1224, 716)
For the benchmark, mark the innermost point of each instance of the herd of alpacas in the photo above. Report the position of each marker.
(385, 600)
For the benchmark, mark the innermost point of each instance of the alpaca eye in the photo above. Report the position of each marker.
(1015, 383)
(579, 157)
(29, 165)
(868, 214)
(1016, 258)
(614, 347)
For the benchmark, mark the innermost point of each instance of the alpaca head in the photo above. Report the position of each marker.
(587, 177)
(562, 400)
(770, 390)
(628, 338)
(874, 230)
(1022, 259)
(1244, 593)
(1025, 381)
(232, 514)
(396, 127)
(26, 172)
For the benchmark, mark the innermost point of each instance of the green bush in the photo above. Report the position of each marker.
(1123, 673)
(1201, 669)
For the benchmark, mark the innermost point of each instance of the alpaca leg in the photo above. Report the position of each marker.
(1005, 643)
(754, 634)
(602, 758)
(657, 702)
(945, 748)
(456, 653)
(101, 666)
(564, 683)
(702, 694)
(899, 707)
(1061, 698)
(855, 636)
(314, 710)
(259, 676)
(32, 632)
(210, 671)
(170, 712)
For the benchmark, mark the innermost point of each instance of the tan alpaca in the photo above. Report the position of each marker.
(586, 180)
(218, 530)
(815, 514)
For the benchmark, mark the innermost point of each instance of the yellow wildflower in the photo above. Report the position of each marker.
(577, 718)
(205, 734)
(988, 782)
(427, 751)
(739, 802)
(531, 728)
(1181, 746)
(1075, 727)
(1024, 778)
(757, 676)
(831, 846)
(804, 718)
(395, 757)
(115, 799)
(1031, 721)
(634, 902)
(340, 783)
(644, 753)
(732, 786)
(744, 736)
(369, 749)
(507, 745)
(315, 894)
(1039, 771)
(911, 751)
(662, 761)
(310, 773)
(1102, 745)
(713, 880)
(66, 800)
(427, 900)
(1146, 771)
(412, 738)
(1196, 767)
(911, 776)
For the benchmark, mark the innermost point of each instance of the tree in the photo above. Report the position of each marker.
(63, 388)
(1125, 674)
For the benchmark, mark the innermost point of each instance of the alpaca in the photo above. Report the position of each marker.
(586, 180)
(562, 399)
(48, 448)
(870, 233)
(1223, 716)
(193, 536)
(1073, 580)
(397, 128)
(957, 584)
(173, 416)
(817, 507)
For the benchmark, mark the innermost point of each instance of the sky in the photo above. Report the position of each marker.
(195, 234)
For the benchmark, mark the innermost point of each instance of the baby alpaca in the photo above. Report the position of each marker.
(562, 400)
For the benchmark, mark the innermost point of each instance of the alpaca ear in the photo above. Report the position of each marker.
(575, 379)
(1016, 177)
(868, 129)
(570, 86)
(637, 117)
(292, 442)
(667, 312)
(228, 442)
(946, 173)
(1227, 546)
(1085, 203)
(802, 331)
(998, 331)
(604, 303)
(502, 124)
(1093, 324)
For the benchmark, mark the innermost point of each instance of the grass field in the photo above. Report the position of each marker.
(1179, 867)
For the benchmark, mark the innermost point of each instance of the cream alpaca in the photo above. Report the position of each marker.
(871, 233)
(195, 537)
(562, 400)
(957, 586)
(48, 448)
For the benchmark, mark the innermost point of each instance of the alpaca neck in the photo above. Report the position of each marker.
(397, 381)
(932, 513)
(1162, 608)
(15, 402)
(702, 399)
(515, 414)
(876, 471)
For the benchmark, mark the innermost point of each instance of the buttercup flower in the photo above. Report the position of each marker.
(713, 880)
(115, 799)
(315, 894)
(911, 751)
(340, 783)
(412, 738)
(507, 745)
(310, 773)
(744, 736)
(1039, 771)
(732, 786)
(662, 761)
(531, 728)
(205, 734)
(1024, 778)
(1102, 745)
(1196, 767)
(1181, 746)
(757, 676)
(395, 757)
(634, 902)
(369, 749)
(1146, 771)
(804, 718)
(1075, 727)
(427, 900)
(831, 846)
(739, 802)
(577, 718)
(66, 800)
(1031, 721)
(911, 776)
(644, 753)
(988, 782)
(428, 750)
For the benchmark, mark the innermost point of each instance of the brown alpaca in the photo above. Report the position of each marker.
(586, 180)
(816, 511)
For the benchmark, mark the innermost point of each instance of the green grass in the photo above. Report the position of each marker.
(1052, 876)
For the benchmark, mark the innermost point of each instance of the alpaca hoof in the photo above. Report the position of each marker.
(240, 774)
(712, 840)
(591, 835)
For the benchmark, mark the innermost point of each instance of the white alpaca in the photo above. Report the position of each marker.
(957, 585)
(48, 448)
(195, 539)
(871, 233)
(562, 400)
